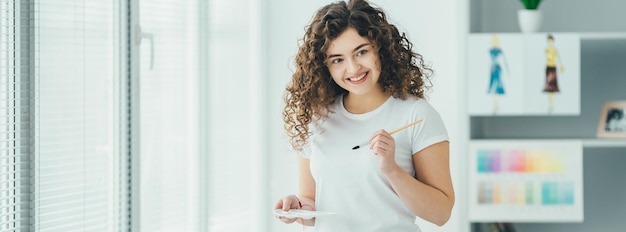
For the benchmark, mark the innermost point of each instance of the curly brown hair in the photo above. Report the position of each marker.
(312, 90)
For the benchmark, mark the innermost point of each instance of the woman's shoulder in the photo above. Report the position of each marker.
(413, 101)
(415, 105)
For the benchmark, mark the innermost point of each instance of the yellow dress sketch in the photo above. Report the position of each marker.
(551, 85)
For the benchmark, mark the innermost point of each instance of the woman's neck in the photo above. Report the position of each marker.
(360, 104)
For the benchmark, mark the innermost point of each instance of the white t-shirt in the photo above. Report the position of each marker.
(349, 182)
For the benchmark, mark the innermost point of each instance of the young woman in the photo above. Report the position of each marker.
(356, 78)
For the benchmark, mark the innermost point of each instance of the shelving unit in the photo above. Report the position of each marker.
(603, 78)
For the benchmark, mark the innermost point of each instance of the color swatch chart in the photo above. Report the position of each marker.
(526, 180)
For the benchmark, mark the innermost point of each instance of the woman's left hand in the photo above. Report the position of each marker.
(384, 146)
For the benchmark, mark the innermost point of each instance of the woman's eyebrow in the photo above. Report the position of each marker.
(360, 46)
(354, 50)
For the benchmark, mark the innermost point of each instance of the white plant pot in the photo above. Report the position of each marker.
(529, 20)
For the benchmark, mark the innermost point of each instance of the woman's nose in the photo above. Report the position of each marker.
(353, 66)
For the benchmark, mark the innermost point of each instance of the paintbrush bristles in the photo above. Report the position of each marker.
(363, 144)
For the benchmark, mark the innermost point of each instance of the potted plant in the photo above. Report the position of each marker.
(529, 18)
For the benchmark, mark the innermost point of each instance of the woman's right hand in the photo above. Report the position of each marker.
(286, 203)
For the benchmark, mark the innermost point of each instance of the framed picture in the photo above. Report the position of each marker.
(613, 120)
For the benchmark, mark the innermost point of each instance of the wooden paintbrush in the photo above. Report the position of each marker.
(392, 132)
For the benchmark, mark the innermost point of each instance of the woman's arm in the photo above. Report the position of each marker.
(306, 195)
(431, 195)
(306, 187)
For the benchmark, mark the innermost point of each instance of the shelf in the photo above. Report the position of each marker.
(604, 143)
(587, 143)
(558, 16)
(602, 36)
(583, 35)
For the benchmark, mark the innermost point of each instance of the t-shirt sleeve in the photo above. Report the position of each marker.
(430, 131)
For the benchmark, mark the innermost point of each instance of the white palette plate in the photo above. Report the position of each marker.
(301, 213)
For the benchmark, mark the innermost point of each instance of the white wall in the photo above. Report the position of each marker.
(285, 26)
(436, 29)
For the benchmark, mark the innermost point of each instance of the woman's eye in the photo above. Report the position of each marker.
(336, 61)
(362, 52)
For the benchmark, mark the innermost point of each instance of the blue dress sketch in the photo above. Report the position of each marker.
(496, 86)
(495, 82)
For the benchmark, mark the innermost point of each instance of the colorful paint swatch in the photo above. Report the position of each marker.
(523, 193)
(518, 161)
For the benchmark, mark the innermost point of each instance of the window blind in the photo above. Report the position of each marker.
(77, 82)
(168, 115)
(15, 114)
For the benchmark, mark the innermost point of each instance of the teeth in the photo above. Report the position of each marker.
(358, 78)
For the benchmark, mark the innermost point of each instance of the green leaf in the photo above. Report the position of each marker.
(531, 4)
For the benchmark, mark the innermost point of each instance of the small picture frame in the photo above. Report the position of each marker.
(612, 120)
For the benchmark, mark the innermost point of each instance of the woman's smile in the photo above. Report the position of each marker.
(358, 79)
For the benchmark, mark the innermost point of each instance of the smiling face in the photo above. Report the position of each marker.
(353, 63)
